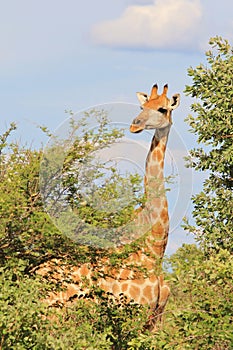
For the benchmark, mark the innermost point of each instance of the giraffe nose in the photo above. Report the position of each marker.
(136, 121)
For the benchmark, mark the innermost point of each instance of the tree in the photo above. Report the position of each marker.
(212, 89)
(26, 230)
(202, 298)
(202, 276)
(88, 198)
(28, 237)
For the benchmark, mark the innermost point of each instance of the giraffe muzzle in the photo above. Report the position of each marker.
(135, 128)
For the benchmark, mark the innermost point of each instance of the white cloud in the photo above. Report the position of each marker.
(164, 24)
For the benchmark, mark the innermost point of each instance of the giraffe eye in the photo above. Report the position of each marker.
(162, 110)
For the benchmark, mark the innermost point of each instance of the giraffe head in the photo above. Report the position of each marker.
(156, 110)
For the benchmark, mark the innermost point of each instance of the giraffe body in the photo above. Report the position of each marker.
(146, 285)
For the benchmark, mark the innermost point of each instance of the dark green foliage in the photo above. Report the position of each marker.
(21, 312)
(27, 323)
(202, 299)
(26, 231)
(204, 277)
(213, 124)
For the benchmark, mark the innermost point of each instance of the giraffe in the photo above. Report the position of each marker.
(156, 114)
(150, 227)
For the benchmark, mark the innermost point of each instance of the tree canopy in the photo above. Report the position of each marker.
(212, 90)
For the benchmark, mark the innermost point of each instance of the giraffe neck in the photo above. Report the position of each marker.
(153, 218)
(154, 177)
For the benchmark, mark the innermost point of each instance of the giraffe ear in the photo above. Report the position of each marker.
(174, 101)
(142, 97)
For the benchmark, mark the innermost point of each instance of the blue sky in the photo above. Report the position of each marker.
(61, 55)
